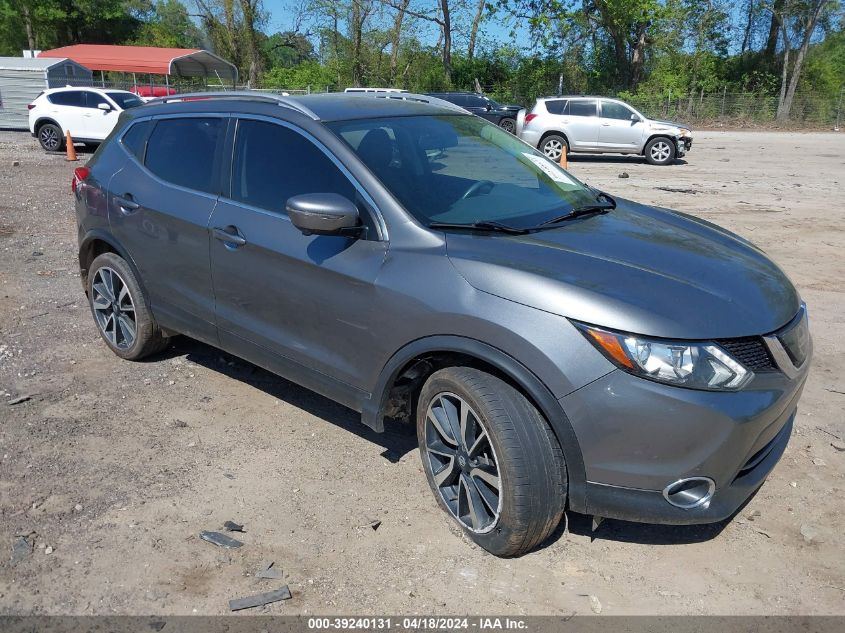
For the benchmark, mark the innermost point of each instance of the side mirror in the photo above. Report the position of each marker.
(105, 107)
(635, 118)
(323, 214)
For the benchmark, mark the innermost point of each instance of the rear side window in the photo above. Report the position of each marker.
(582, 108)
(273, 163)
(557, 106)
(135, 139)
(182, 151)
(68, 98)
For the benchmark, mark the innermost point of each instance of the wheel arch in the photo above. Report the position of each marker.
(95, 243)
(44, 120)
(402, 377)
(549, 133)
(654, 136)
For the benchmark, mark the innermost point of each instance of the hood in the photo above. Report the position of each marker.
(637, 269)
(657, 125)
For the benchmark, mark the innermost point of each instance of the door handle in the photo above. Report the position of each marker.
(229, 235)
(126, 203)
(605, 124)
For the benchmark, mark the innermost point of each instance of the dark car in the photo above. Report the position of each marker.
(553, 346)
(502, 115)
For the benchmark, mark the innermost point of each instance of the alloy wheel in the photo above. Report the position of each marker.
(113, 308)
(508, 126)
(463, 463)
(661, 151)
(553, 149)
(49, 138)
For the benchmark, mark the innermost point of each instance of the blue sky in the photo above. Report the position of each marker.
(282, 18)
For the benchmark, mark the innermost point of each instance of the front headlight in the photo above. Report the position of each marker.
(681, 363)
(685, 132)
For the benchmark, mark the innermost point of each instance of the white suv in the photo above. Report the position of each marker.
(596, 125)
(89, 114)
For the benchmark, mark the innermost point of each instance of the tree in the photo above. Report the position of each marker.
(473, 33)
(798, 19)
(250, 10)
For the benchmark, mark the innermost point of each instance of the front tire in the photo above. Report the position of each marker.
(491, 460)
(553, 146)
(660, 151)
(51, 138)
(120, 310)
(508, 125)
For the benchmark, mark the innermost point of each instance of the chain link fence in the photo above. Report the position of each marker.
(741, 109)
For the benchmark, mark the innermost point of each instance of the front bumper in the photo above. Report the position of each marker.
(638, 436)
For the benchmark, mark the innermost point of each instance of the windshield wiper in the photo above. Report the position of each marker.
(485, 225)
(586, 209)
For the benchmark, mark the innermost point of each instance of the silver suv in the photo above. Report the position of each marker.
(596, 125)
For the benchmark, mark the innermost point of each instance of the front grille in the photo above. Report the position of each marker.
(751, 351)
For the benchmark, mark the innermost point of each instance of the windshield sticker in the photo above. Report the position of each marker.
(555, 173)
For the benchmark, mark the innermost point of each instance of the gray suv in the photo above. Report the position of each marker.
(597, 125)
(553, 346)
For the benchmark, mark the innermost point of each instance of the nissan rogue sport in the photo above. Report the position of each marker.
(554, 346)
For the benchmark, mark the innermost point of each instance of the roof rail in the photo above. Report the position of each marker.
(240, 95)
(408, 96)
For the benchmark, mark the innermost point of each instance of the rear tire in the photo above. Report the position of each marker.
(120, 310)
(660, 151)
(504, 441)
(553, 147)
(51, 138)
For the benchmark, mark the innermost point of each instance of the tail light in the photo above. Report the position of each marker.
(79, 176)
(30, 106)
(529, 118)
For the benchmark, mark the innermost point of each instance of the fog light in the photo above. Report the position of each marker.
(690, 493)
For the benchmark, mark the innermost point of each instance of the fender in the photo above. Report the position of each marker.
(372, 413)
(108, 238)
(42, 121)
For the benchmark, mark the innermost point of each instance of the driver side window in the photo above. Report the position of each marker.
(611, 110)
(273, 163)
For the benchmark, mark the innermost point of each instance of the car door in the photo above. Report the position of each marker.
(581, 124)
(618, 131)
(300, 305)
(67, 108)
(160, 203)
(98, 123)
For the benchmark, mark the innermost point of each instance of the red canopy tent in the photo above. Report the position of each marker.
(178, 62)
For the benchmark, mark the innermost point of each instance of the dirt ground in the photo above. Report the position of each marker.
(113, 468)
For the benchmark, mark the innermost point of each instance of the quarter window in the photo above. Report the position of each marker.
(273, 163)
(611, 110)
(582, 107)
(182, 151)
(135, 139)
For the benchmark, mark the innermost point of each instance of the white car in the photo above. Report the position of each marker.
(89, 114)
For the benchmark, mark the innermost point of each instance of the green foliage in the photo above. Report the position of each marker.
(300, 77)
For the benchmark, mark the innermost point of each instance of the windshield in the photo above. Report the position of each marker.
(461, 169)
(125, 100)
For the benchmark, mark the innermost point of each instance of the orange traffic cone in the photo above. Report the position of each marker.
(563, 160)
(69, 148)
